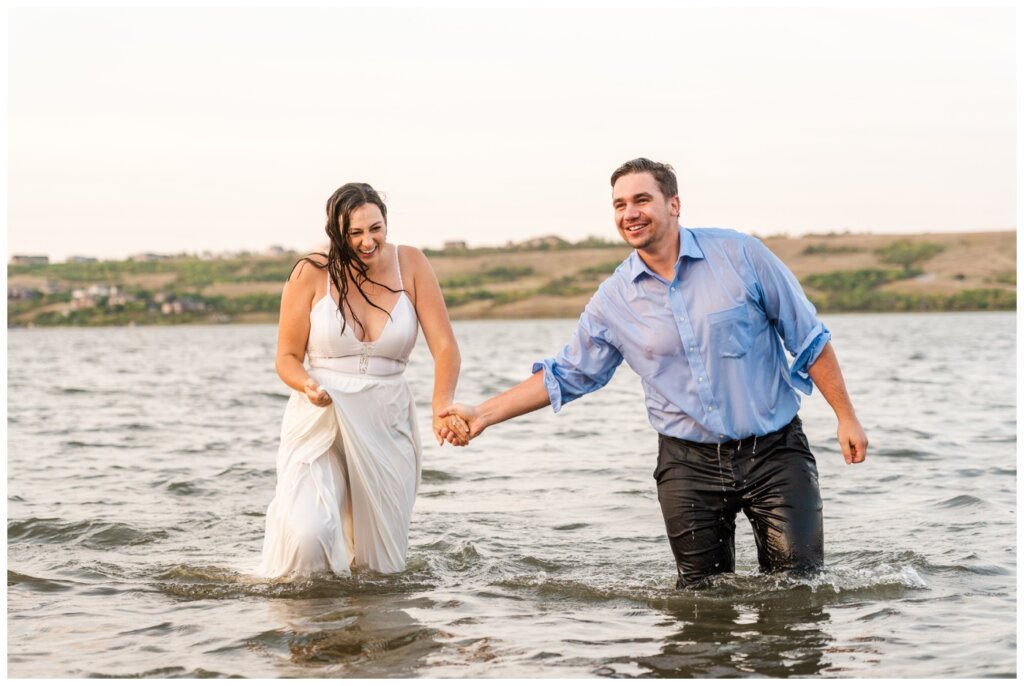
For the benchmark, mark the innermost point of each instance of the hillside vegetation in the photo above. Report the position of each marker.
(840, 273)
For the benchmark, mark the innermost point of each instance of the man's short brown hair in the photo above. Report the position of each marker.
(663, 174)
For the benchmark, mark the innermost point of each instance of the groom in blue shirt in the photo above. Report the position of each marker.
(703, 316)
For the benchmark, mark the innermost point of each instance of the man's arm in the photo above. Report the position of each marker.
(828, 378)
(525, 397)
(583, 366)
(789, 311)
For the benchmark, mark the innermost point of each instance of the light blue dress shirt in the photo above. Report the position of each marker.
(708, 345)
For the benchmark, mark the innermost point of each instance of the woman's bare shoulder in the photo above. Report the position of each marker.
(309, 269)
(412, 258)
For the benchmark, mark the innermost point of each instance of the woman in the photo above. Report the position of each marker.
(349, 462)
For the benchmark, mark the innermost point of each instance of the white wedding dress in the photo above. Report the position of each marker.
(347, 474)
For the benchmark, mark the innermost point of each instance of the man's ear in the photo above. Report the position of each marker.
(676, 205)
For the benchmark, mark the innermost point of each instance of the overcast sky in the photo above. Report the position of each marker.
(191, 130)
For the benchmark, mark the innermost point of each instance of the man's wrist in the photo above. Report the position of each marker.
(484, 418)
(847, 416)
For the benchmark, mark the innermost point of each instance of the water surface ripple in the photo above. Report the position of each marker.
(141, 462)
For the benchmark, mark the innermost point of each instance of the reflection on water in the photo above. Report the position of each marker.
(346, 638)
(135, 522)
(763, 637)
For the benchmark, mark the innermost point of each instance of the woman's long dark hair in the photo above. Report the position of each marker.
(343, 262)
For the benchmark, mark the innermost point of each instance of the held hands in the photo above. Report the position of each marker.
(462, 423)
(452, 429)
(852, 440)
(315, 394)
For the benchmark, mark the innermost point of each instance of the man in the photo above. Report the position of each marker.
(702, 316)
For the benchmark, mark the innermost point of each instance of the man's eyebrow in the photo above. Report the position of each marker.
(639, 196)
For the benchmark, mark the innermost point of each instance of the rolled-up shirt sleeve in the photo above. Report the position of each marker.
(790, 312)
(585, 364)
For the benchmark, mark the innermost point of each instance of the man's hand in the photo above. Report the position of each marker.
(451, 429)
(852, 440)
(468, 422)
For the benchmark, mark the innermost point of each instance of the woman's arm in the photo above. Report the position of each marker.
(437, 329)
(293, 332)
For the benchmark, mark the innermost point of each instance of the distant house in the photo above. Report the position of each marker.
(81, 300)
(118, 298)
(276, 251)
(22, 293)
(185, 304)
(455, 245)
(30, 259)
(81, 259)
(99, 290)
(544, 242)
(149, 257)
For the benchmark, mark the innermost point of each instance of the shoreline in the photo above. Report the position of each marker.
(273, 320)
(855, 273)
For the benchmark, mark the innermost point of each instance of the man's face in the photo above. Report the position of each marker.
(643, 216)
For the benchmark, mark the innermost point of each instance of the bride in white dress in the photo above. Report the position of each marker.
(349, 461)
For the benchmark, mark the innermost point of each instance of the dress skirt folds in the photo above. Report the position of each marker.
(347, 476)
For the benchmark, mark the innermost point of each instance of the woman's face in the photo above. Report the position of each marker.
(367, 232)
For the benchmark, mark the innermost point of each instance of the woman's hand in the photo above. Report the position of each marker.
(451, 429)
(315, 394)
(464, 422)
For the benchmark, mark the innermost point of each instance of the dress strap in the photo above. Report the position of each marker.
(398, 265)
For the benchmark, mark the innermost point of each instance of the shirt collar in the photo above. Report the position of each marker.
(687, 248)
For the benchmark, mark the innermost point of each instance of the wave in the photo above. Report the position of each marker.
(35, 584)
(960, 501)
(903, 453)
(430, 476)
(165, 673)
(195, 582)
(214, 446)
(96, 535)
(245, 471)
(130, 426)
(839, 580)
(86, 444)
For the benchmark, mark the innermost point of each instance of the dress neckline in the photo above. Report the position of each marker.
(391, 312)
(391, 315)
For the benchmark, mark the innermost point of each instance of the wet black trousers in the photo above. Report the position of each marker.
(772, 478)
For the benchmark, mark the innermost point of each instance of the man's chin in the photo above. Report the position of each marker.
(630, 239)
(640, 242)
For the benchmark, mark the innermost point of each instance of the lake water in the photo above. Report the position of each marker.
(141, 462)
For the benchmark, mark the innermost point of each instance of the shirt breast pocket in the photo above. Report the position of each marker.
(731, 332)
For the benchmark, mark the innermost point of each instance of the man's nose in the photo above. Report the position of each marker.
(631, 211)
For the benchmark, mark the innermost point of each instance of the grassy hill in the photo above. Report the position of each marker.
(840, 272)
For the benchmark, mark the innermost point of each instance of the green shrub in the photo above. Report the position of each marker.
(855, 280)
(599, 271)
(908, 253)
(463, 297)
(497, 275)
(1009, 278)
(826, 249)
(564, 286)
